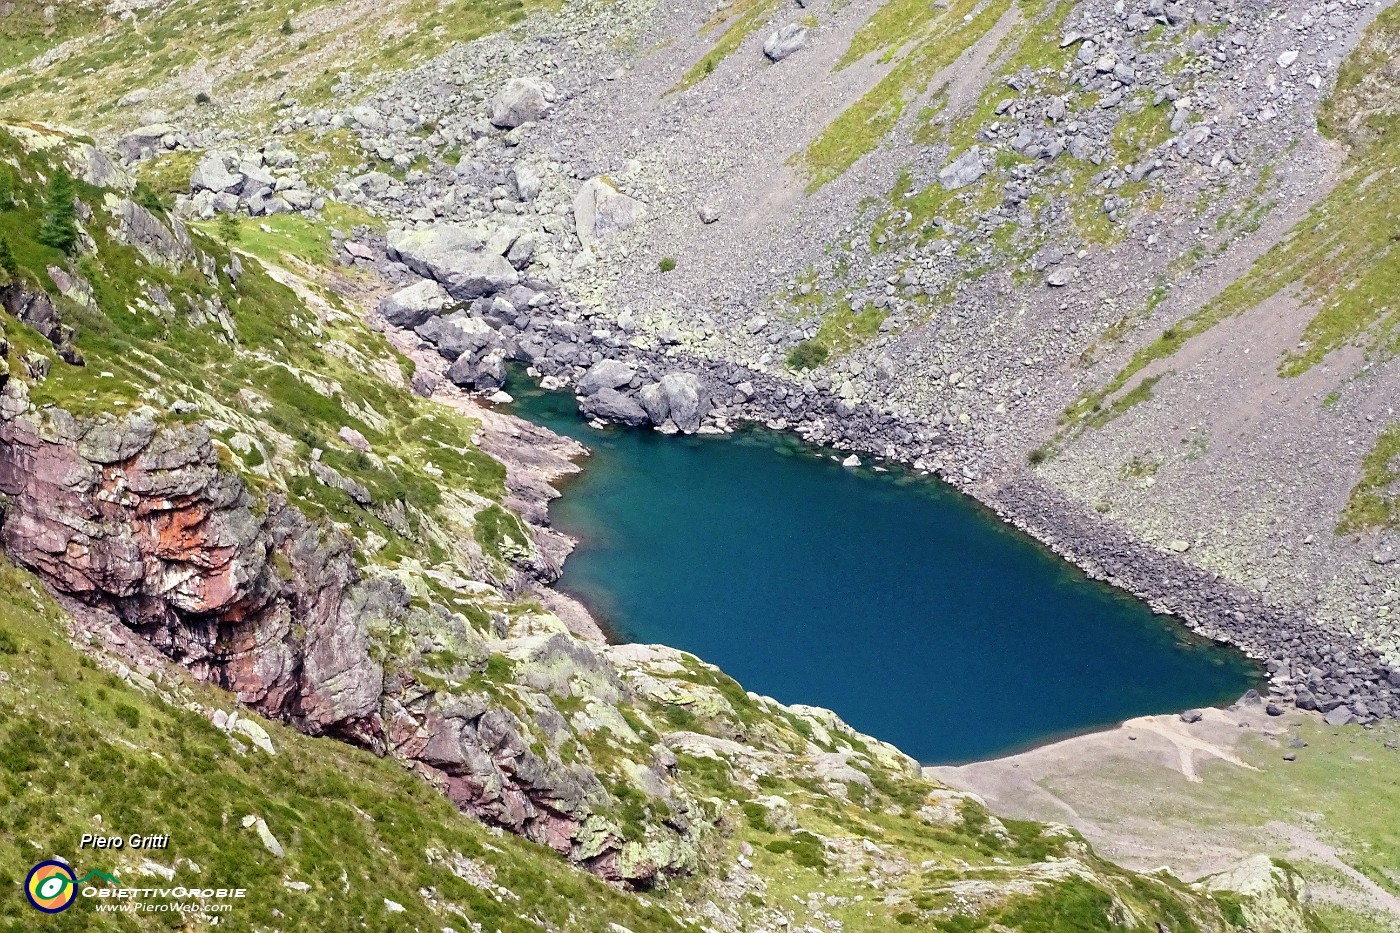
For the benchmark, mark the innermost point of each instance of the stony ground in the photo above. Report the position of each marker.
(1192, 791)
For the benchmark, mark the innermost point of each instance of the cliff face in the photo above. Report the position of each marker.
(144, 521)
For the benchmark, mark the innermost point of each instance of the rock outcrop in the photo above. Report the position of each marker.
(140, 519)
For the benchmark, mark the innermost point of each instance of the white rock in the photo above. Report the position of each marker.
(255, 734)
(150, 869)
(269, 841)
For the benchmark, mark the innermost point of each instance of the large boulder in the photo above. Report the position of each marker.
(785, 41)
(600, 210)
(606, 374)
(681, 397)
(963, 170)
(144, 140)
(411, 306)
(525, 180)
(612, 405)
(212, 175)
(487, 373)
(455, 256)
(520, 101)
(459, 335)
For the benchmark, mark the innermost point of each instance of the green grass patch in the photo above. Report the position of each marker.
(739, 20)
(1375, 500)
(942, 35)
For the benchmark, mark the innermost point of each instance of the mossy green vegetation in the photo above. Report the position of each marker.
(113, 56)
(1331, 804)
(32, 27)
(1375, 500)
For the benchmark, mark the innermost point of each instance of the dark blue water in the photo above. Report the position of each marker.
(893, 600)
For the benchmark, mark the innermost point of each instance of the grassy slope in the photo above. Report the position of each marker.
(81, 750)
(246, 46)
(921, 39)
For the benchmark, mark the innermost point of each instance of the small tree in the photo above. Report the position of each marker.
(287, 27)
(60, 227)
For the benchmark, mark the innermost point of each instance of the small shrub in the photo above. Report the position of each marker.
(1038, 456)
(146, 196)
(7, 189)
(287, 27)
(228, 229)
(757, 815)
(666, 264)
(808, 354)
(128, 714)
(8, 645)
(203, 98)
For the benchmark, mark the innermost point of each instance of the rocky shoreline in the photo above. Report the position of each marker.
(506, 254)
(1334, 673)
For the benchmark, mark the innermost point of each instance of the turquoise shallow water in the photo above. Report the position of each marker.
(897, 602)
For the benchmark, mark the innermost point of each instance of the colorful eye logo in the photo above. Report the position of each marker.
(51, 887)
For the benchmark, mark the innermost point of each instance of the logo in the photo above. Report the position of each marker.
(52, 887)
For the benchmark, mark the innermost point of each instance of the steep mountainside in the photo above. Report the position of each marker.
(1122, 270)
(296, 527)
